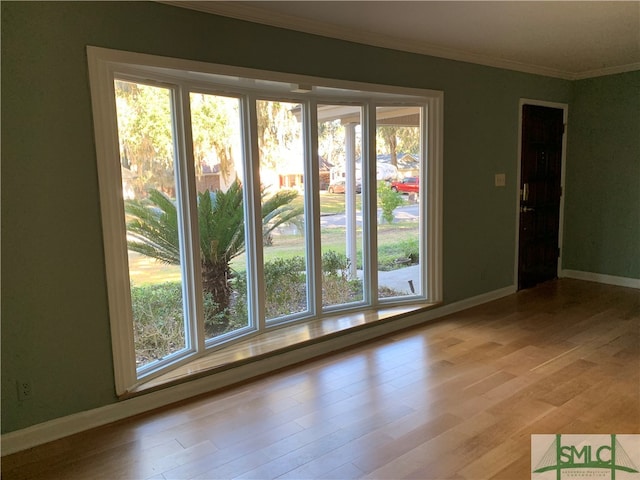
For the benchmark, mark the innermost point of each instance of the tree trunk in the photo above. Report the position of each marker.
(389, 136)
(393, 147)
(215, 279)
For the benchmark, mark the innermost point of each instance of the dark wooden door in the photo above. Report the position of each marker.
(540, 192)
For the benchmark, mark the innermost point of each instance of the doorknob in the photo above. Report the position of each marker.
(527, 209)
(525, 192)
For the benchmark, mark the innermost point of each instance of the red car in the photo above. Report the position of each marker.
(406, 185)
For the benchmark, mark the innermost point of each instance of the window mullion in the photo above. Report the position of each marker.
(312, 197)
(370, 206)
(188, 221)
(253, 212)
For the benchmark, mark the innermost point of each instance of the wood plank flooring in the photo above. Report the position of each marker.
(455, 399)
(278, 340)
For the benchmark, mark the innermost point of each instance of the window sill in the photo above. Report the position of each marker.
(277, 341)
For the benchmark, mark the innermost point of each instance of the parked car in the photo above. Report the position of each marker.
(406, 185)
(336, 187)
(339, 187)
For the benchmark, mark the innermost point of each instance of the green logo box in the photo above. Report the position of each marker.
(576, 457)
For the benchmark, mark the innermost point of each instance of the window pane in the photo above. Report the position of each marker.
(282, 179)
(215, 123)
(145, 134)
(398, 176)
(339, 149)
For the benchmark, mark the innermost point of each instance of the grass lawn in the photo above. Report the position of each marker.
(392, 242)
(330, 202)
(144, 270)
(395, 242)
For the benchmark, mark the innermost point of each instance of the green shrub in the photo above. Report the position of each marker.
(411, 250)
(285, 286)
(389, 200)
(337, 287)
(334, 263)
(338, 290)
(158, 308)
(158, 319)
(399, 255)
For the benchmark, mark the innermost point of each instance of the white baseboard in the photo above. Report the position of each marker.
(473, 301)
(601, 278)
(62, 427)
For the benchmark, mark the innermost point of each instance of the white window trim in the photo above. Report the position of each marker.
(104, 63)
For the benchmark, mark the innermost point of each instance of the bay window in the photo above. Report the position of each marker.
(236, 201)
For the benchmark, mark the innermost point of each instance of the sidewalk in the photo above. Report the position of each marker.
(399, 279)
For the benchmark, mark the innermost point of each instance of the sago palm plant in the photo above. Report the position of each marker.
(153, 231)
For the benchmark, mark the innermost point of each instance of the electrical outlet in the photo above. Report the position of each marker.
(25, 391)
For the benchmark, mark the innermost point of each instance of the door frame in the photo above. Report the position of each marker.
(565, 113)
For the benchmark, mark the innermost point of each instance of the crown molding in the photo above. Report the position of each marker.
(601, 72)
(275, 19)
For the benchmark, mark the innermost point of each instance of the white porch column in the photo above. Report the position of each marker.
(350, 196)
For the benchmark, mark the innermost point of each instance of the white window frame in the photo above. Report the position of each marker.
(105, 64)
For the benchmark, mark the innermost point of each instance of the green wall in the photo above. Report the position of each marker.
(55, 320)
(602, 206)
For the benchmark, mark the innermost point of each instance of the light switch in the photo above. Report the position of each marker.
(501, 179)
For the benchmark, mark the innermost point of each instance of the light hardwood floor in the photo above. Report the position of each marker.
(455, 399)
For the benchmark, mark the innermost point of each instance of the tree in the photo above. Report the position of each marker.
(390, 140)
(214, 127)
(278, 130)
(331, 140)
(398, 139)
(145, 128)
(145, 134)
(155, 233)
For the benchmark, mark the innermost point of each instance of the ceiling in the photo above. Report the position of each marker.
(565, 39)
